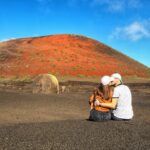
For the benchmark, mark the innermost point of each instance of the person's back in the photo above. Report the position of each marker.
(102, 94)
(96, 97)
(124, 105)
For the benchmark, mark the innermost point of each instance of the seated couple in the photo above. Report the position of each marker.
(112, 100)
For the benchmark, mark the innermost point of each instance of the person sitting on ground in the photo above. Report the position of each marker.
(121, 101)
(102, 94)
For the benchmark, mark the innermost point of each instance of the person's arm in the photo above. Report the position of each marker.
(112, 104)
(91, 99)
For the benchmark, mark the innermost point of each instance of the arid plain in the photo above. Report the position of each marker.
(60, 122)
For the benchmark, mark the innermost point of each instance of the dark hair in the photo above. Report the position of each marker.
(106, 91)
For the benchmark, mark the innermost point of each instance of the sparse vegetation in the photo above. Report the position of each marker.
(81, 75)
(80, 56)
(16, 79)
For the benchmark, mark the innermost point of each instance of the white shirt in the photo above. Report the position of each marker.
(124, 104)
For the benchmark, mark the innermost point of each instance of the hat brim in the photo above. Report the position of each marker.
(112, 79)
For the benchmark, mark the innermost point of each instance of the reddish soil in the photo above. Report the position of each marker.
(64, 55)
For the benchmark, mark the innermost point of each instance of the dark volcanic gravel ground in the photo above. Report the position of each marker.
(59, 122)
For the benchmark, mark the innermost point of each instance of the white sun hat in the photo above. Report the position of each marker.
(105, 80)
(116, 76)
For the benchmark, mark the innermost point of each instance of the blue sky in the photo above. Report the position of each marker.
(121, 24)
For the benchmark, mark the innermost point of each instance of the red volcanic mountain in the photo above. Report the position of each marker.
(64, 55)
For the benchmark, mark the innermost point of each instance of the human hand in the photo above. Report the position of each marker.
(96, 103)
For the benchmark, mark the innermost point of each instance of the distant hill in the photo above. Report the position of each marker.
(65, 55)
